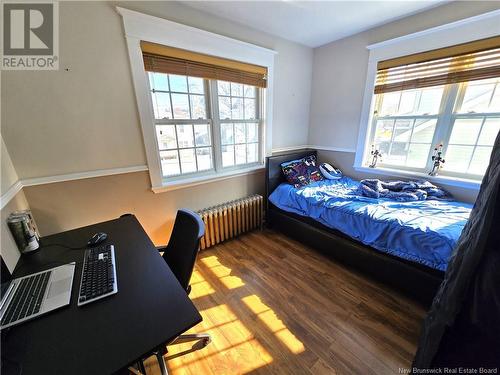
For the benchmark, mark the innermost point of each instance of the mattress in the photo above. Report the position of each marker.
(425, 232)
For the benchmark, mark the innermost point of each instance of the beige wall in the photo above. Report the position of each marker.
(84, 117)
(66, 205)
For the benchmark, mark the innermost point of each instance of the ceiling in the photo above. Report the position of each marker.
(312, 23)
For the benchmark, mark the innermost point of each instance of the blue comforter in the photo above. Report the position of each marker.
(421, 231)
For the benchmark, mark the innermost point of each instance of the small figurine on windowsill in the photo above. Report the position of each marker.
(376, 154)
(437, 160)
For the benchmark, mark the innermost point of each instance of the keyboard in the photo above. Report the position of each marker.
(98, 275)
(27, 299)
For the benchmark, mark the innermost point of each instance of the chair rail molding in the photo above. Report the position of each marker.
(20, 184)
(10, 193)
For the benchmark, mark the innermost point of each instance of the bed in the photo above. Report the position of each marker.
(404, 244)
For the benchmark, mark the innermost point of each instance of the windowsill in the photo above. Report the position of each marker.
(199, 180)
(445, 180)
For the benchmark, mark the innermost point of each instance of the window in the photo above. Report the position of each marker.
(206, 111)
(238, 117)
(182, 127)
(475, 125)
(185, 123)
(405, 123)
(452, 100)
(186, 139)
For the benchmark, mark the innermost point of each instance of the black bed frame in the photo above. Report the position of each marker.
(413, 279)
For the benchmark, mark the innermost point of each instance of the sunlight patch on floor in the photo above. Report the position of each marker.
(222, 272)
(232, 340)
(275, 325)
(199, 286)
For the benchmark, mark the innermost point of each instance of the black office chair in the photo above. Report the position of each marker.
(182, 249)
(180, 255)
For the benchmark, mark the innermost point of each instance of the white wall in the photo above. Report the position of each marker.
(59, 122)
(85, 118)
(292, 69)
(339, 72)
(339, 76)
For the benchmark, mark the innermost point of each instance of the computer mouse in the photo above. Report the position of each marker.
(97, 238)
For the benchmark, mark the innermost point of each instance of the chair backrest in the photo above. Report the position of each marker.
(183, 245)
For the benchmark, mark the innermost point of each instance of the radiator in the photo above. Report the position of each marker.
(228, 220)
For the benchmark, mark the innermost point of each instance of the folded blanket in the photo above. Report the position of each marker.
(403, 191)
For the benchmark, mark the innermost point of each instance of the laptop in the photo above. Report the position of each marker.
(33, 295)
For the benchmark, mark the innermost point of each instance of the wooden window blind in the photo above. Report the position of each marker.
(460, 63)
(163, 59)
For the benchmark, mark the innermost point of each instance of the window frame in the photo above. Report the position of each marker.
(461, 88)
(474, 28)
(451, 102)
(213, 120)
(259, 93)
(174, 122)
(141, 27)
(439, 118)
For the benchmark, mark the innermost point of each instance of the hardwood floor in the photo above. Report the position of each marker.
(274, 306)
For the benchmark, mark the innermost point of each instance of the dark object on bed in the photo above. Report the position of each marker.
(302, 172)
(462, 328)
(413, 279)
(402, 191)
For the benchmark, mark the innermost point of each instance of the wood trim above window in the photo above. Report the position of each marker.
(443, 79)
(441, 53)
(477, 60)
(164, 59)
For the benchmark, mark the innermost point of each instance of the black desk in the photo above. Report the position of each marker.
(150, 308)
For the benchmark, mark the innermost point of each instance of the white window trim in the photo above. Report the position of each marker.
(199, 180)
(463, 31)
(139, 26)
